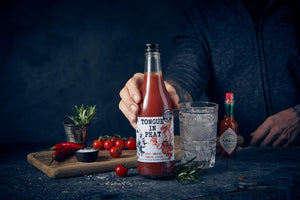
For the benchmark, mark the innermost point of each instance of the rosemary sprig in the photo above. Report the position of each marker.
(188, 171)
(83, 114)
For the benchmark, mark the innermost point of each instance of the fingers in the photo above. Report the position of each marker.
(261, 132)
(131, 97)
(128, 102)
(131, 117)
(280, 141)
(273, 135)
(133, 86)
(281, 129)
(290, 137)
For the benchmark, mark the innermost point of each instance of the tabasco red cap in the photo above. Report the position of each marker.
(229, 96)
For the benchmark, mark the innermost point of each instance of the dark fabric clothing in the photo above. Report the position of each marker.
(220, 51)
(256, 8)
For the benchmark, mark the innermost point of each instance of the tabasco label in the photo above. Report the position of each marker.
(228, 140)
(155, 139)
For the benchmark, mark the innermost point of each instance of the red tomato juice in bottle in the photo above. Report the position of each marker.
(154, 131)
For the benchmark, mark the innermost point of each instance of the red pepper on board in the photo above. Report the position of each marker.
(61, 154)
(66, 145)
(62, 145)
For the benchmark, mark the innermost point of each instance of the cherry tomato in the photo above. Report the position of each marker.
(115, 152)
(121, 170)
(120, 143)
(113, 140)
(103, 140)
(107, 144)
(131, 143)
(98, 144)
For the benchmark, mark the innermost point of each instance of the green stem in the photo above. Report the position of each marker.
(53, 158)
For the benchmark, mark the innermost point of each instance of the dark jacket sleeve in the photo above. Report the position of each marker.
(190, 64)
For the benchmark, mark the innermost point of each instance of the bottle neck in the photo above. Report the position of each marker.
(229, 108)
(152, 62)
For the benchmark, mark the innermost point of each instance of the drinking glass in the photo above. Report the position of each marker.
(198, 132)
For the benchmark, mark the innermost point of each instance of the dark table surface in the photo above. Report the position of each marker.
(255, 173)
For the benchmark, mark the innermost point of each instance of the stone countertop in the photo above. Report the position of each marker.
(254, 173)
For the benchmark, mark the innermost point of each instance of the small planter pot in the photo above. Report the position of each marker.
(76, 133)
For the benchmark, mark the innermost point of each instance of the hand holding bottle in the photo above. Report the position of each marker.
(131, 97)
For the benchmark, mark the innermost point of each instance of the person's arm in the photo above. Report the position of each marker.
(189, 69)
(186, 78)
(183, 95)
(281, 129)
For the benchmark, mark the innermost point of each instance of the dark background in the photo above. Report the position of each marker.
(56, 54)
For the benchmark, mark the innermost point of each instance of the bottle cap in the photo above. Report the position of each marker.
(229, 96)
(151, 47)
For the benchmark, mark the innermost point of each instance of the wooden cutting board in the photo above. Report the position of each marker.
(71, 167)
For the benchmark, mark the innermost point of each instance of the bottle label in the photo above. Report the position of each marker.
(155, 139)
(228, 140)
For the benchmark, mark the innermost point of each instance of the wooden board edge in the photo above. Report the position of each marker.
(42, 167)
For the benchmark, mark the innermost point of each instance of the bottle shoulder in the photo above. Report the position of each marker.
(228, 118)
(228, 122)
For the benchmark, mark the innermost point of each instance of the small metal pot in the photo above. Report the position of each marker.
(76, 133)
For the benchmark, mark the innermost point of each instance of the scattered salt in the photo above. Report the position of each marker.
(85, 150)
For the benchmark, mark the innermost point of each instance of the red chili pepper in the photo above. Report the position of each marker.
(61, 154)
(63, 145)
(66, 145)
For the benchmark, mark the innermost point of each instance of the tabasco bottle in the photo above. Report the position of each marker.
(154, 126)
(228, 129)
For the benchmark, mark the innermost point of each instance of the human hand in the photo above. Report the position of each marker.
(281, 129)
(131, 97)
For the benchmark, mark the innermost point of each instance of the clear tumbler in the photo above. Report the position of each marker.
(198, 132)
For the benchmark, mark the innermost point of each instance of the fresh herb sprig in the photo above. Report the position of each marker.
(83, 114)
(188, 171)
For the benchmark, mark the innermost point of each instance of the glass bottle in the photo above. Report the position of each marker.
(228, 129)
(154, 130)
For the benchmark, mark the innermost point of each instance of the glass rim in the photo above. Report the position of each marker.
(198, 104)
(198, 107)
